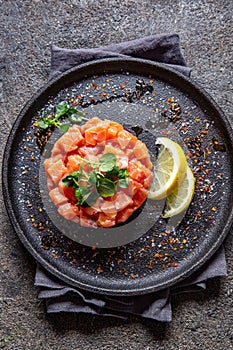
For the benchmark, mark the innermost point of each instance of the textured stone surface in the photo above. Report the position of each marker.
(28, 28)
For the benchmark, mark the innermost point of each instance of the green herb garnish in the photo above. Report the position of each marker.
(61, 110)
(102, 180)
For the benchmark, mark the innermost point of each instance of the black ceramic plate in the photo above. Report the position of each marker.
(141, 95)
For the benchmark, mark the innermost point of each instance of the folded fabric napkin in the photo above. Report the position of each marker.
(61, 297)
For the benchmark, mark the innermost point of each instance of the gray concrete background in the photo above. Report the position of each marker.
(28, 28)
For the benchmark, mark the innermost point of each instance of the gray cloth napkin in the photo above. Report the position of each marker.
(61, 297)
(164, 48)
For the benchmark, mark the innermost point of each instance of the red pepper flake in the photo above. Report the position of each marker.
(207, 189)
(158, 256)
(55, 256)
(133, 277)
(103, 94)
(99, 269)
(175, 264)
(94, 84)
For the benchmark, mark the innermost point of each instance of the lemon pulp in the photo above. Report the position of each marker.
(169, 169)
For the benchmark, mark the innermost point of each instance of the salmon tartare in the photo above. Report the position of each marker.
(86, 192)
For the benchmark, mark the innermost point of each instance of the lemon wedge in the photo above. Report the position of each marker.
(181, 197)
(169, 169)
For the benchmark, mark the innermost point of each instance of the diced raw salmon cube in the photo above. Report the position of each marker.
(86, 220)
(140, 150)
(56, 171)
(122, 162)
(57, 197)
(89, 124)
(109, 148)
(105, 220)
(67, 211)
(124, 138)
(123, 215)
(69, 141)
(139, 197)
(50, 161)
